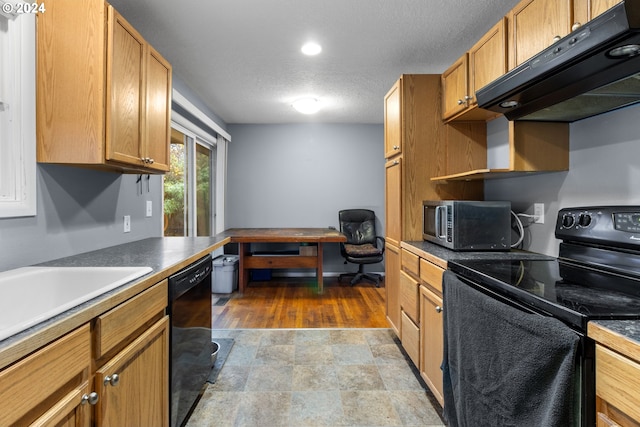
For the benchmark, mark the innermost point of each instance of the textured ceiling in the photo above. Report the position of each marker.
(242, 57)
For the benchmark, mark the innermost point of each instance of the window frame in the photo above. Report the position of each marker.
(18, 60)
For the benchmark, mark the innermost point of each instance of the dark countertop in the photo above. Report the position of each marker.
(443, 255)
(628, 328)
(621, 335)
(165, 255)
(162, 254)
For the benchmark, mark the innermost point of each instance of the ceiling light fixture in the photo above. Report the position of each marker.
(311, 49)
(307, 105)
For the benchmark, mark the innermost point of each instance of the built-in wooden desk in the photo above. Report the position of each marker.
(245, 236)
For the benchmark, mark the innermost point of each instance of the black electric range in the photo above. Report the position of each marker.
(596, 275)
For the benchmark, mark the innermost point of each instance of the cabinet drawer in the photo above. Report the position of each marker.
(431, 274)
(409, 292)
(410, 263)
(38, 378)
(117, 324)
(410, 339)
(618, 381)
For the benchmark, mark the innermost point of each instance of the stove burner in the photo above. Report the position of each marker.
(594, 301)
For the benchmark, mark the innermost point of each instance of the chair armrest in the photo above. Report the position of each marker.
(382, 242)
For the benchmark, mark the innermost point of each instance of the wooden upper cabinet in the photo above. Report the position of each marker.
(158, 110)
(106, 103)
(455, 88)
(482, 64)
(125, 100)
(597, 7)
(393, 121)
(535, 25)
(488, 58)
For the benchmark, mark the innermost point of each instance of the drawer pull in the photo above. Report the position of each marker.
(438, 309)
(91, 398)
(112, 379)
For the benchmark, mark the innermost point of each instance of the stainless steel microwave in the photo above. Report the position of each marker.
(464, 225)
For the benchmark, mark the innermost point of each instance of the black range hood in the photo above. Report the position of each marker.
(594, 69)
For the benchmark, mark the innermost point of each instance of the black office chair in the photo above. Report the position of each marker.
(363, 246)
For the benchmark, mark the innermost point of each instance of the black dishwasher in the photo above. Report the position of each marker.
(191, 349)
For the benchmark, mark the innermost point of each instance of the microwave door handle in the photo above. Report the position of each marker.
(438, 221)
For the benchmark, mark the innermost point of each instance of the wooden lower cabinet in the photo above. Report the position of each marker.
(411, 338)
(431, 341)
(49, 386)
(71, 382)
(617, 389)
(133, 386)
(392, 286)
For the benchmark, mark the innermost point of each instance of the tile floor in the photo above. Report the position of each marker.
(315, 377)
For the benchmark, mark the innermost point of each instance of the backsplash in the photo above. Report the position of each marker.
(80, 210)
(603, 170)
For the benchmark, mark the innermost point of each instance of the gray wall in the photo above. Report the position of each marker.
(80, 210)
(301, 175)
(604, 169)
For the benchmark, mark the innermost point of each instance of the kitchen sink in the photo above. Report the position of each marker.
(30, 295)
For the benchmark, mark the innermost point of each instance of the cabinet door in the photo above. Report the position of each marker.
(597, 7)
(70, 411)
(534, 26)
(392, 286)
(393, 121)
(47, 384)
(157, 124)
(125, 77)
(70, 93)
(488, 58)
(140, 394)
(455, 88)
(432, 341)
(393, 202)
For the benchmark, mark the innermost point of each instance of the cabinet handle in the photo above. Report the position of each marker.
(556, 38)
(575, 26)
(91, 398)
(438, 309)
(396, 147)
(147, 160)
(150, 160)
(460, 102)
(112, 379)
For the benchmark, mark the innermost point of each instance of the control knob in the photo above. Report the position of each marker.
(568, 220)
(584, 219)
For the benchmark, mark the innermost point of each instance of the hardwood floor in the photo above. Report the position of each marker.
(295, 303)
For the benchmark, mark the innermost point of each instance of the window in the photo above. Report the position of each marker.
(17, 115)
(189, 185)
(194, 186)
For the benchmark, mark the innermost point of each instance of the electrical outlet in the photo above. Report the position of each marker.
(127, 223)
(149, 208)
(538, 213)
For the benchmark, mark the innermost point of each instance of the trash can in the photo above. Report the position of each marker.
(225, 274)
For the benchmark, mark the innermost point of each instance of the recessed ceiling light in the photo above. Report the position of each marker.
(311, 48)
(307, 105)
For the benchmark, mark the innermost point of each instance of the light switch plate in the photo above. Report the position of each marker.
(127, 223)
(149, 208)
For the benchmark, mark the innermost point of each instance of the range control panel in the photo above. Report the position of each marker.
(627, 221)
(617, 226)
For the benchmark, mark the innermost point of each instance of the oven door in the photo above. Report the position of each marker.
(505, 364)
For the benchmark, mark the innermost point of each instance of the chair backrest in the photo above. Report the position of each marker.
(358, 225)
